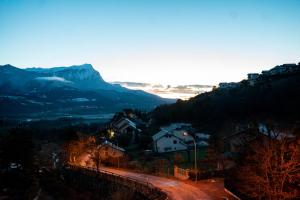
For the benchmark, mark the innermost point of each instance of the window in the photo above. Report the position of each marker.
(174, 141)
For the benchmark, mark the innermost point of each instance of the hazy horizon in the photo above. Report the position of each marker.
(173, 91)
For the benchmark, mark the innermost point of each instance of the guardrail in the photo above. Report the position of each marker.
(143, 187)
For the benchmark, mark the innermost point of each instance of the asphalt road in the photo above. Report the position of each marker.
(177, 189)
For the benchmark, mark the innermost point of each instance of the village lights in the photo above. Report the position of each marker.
(111, 133)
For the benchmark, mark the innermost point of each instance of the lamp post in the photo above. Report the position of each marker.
(195, 144)
(118, 156)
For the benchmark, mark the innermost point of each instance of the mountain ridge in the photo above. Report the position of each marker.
(58, 90)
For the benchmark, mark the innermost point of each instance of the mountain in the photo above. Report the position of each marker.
(274, 95)
(81, 76)
(74, 90)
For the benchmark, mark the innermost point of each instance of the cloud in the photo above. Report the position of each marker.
(168, 91)
(53, 78)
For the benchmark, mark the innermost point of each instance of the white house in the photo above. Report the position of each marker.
(172, 138)
(281, 69)
(252, 78)
(230, 85)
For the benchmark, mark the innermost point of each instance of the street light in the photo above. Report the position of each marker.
(118, 156)
(111, 133)
(187, 134)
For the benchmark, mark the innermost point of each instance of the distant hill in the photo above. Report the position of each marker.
(74, 90)
(274, 95)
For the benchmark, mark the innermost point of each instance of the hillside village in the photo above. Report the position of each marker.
(254, 78)
(179, 149)
(150, 100)
(133, 131)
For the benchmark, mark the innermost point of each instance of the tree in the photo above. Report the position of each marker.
(271, 169)
(213, 153)
(17, 147)
(96, 157)
(75, 148)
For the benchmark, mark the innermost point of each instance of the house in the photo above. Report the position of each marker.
(239, 143)
(109, 150)
(228, 85)
(124, 125)
(165, 141)
(173, 138)
(282, 69)
(274, 132)
(236, 142)
(252, 78)
(285, 68)
(265, 73)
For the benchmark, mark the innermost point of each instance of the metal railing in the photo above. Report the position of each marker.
(144, 187)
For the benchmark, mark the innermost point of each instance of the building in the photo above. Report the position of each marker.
(265, 72)
(228, 85)
(282, 69)
(124, 125)
(109, 150)
(275, 133)
(252, 78)
(172, 138)
(236, 142)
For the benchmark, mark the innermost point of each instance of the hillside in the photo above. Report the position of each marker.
(273, 97)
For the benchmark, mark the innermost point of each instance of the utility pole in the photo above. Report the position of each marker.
(195, 159)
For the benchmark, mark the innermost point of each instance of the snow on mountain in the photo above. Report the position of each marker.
(83, 76)
(74, 89)
(53, 78)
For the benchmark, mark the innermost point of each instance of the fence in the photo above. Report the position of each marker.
(180, 173)
(144, 188)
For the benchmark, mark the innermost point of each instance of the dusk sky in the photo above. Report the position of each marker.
(154, 41)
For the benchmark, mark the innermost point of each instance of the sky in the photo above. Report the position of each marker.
(154, 41)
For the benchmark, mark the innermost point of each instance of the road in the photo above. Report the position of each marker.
(176, 189)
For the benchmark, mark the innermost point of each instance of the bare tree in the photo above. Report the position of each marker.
(271, 169)
(96, 157)
(76, 148)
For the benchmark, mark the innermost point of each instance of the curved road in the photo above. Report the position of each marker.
(176, 189)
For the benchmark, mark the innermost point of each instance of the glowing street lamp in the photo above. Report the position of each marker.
(185, 133)
(111, 133)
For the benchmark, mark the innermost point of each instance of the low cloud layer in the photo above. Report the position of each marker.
(168, 91)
